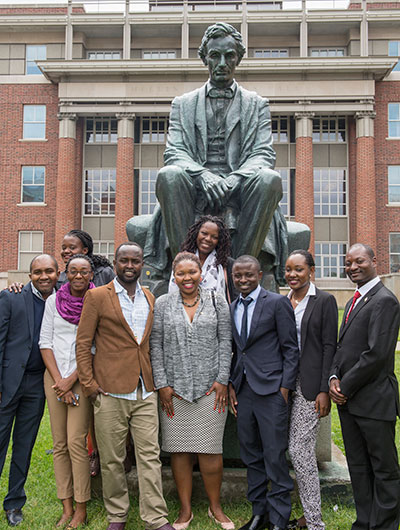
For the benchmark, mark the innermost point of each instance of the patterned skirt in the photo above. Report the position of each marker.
(195, 428)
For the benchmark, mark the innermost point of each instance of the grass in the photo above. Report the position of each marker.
(43, 508)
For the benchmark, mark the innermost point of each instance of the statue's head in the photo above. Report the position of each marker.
(221, 50)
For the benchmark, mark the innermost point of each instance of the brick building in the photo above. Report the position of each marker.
(85, 93)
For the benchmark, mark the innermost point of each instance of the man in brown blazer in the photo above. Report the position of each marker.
(117, 318)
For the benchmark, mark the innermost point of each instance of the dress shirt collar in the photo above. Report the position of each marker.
(368, 286)
(254, 294)
(38, 294)
(311, 291)
(209, 86)
(121, 289)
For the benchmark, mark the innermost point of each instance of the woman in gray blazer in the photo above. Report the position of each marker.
(316, 322)
(191, 352)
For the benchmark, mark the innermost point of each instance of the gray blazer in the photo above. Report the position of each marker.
(190, 357)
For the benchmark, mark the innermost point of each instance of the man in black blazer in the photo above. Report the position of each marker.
(21, 376)
(264, 370)
(364, 387)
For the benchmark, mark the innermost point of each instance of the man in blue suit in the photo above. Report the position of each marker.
(21, 376)
(264, 370)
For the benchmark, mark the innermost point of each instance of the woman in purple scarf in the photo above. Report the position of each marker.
(68, 408)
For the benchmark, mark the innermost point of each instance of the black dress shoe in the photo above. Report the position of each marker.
(276, 527)
(14, 516)
(257, 522)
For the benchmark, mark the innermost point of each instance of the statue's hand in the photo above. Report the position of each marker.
(215, 189)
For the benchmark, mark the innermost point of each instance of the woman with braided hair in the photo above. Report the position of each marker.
(209, 239)
(80, 242)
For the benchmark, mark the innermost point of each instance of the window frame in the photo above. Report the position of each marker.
(394, 53)
(319, 266)
(103, 52)
(31, 252)
(111, 179)
(28, 62)
(154, 120)
(33, 184)
(396, 120)
(97, 248)
(337, 131)
(147, 207)
(158, 53)
(268, 53)
(391, 253)
(331, 204)
(26, 123)
(328, 49)
(112, 132)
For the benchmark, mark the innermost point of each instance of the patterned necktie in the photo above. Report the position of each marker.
(221, 93)
(355, 298)
(243, 331)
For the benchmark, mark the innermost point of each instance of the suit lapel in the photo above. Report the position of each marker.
(233, 114)
(118, 311)
(149, 323)
(201, 123)
(256, 314)
(364, 300)
(306, 317)
(28, 298)
(235, 333)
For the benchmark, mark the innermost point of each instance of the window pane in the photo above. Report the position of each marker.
(27, 175)
(394, 111)
(33, 194)
(37, 241)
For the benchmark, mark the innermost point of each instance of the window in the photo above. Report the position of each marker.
(32, 189)
(154, 130)
(329, 259)
(33, 54)
(394, 120)
(394, 184)
(280, 131)
(103, 55)
(34, 122)
(288, 183)
(327, 52)
(101, 130)
(147, 190)
(159, 54)
(105, 248)
(394, 246)
(329, 129)
(394, 51)
(99, 193)
(271, 54)
(30, 244)
(329, 192)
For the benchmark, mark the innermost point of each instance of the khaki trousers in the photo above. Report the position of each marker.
(113, 417)
(69, 427)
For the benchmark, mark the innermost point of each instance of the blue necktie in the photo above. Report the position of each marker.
(243, 331)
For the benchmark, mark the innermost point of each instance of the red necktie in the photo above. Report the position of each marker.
(355, 298)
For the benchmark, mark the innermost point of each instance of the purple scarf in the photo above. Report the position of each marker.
(69, 307)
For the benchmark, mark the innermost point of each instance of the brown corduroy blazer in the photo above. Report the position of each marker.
(119, 359)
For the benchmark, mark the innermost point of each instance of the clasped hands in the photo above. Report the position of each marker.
(63, 391)
(336, 393)
(167, 393)
(217, 189)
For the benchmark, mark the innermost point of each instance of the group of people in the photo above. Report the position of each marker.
(217, 341)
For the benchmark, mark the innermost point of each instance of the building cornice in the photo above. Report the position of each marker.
(55, 71)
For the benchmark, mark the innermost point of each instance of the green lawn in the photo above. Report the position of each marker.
(43, 508)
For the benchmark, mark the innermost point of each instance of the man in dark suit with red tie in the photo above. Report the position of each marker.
(264, 370)
(364, 387)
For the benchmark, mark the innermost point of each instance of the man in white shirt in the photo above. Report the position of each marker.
(118, 317)
(364, 387)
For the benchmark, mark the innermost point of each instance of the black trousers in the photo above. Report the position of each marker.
(374, 470)
(263, 437)
(25, 411)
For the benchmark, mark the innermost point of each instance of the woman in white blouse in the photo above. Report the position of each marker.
(68, 408)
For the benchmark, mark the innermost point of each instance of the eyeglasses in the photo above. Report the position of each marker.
(74, 272)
